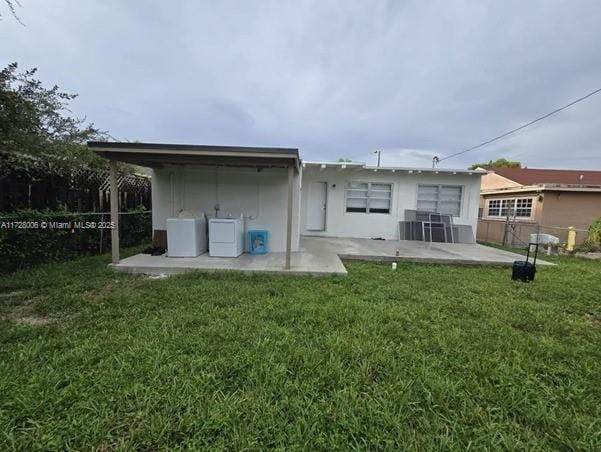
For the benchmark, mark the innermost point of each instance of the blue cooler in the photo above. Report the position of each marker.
(257, 241)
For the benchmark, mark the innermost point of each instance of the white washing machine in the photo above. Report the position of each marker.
(186, 237)
(226, 237)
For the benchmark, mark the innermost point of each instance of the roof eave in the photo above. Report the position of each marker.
(157, 155)
(541, 188)
(410, 170)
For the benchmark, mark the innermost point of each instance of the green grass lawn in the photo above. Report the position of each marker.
(427, 357)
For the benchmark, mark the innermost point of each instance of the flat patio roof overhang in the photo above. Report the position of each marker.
(156, 155)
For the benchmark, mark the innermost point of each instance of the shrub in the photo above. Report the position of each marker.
(594, 231)
(592, 244)
(30, 237)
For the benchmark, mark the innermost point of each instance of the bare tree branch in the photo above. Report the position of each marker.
(11, 6)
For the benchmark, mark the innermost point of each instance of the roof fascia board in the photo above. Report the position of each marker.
(427, 170)
(191, 147)
(194, 152)
(539, 189)
(336, 164)
(410, 170)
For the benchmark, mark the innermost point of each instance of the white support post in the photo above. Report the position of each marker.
(289, 219)
(114, 190)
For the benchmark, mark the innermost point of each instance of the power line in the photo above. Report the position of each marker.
(484, 143)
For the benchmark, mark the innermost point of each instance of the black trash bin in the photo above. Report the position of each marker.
(525, 270)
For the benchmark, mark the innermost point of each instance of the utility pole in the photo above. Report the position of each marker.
(435, 161)
(378, 152)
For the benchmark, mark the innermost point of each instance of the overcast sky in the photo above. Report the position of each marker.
(333, 78)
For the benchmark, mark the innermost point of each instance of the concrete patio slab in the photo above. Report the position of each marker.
(412, 251)
(322, 256)
(305, 263)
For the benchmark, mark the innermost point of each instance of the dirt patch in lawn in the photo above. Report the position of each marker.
(35, 321)
(25, 315)
(593, 319)
(12, 294)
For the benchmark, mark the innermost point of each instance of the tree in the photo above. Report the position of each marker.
(499, 163)
(35, 120)
(342, 160)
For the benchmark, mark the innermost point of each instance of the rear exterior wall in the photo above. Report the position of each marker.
(340, 223)
(261, 196)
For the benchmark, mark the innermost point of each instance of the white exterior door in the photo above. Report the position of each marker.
(316, 206)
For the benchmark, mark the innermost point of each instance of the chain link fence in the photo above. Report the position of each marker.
(518, 233)
(32, 237)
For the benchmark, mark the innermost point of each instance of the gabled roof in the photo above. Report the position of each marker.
(533, 176)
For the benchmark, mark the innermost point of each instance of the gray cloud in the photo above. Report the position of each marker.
(336, 79)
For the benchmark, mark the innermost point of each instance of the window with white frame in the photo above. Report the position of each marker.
(494, 208)
(368, 197)
(445, 199)
(518, 207)
(523, 207)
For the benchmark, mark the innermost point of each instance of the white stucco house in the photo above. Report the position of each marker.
(355, 200)
(275, 190)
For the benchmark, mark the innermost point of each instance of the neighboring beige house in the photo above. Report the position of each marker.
(515, 202)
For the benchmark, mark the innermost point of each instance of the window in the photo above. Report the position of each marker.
(445, 199)
(367, 197)
(520, 207)
(494, 207)
(523, 207)
(506, 204)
